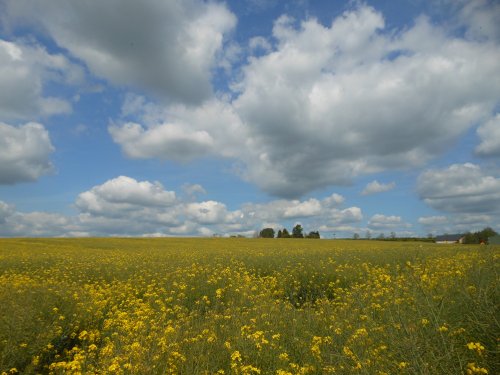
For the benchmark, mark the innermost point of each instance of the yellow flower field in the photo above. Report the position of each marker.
(247, 306)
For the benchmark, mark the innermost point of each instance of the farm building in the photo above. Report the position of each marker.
(450, 238)
(494, 240)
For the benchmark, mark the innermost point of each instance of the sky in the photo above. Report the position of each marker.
(200, 118)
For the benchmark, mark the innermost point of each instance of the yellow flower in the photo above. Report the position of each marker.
(218, 293)
(284, 356)
(476, 346)
(443, 328)
(473, 369)
(236, 356)
(403, 365)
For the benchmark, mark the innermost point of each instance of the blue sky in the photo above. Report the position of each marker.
(193, 118)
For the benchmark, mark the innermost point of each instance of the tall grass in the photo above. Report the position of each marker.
(247, 306)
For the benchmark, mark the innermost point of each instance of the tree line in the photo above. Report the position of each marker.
(481, 236)
(297, 232)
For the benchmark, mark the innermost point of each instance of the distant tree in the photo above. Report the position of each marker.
(297, 231)
(285, 233)
(280, 234)
(355, 236)
(381, 236)
(313, 235)
(368, 235)
(393, 235)
(267, 233)
(487, 233)
(479, 237)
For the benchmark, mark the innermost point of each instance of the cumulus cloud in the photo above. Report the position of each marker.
(35, 224)
(311, 207)
(460, 188)
(209, 212)
(25, 69)
(166, 47)
(489, 133)
(369, 99)
(124, 194)
(432, 220)
(167, 142)
(192, 190)
(24, 152)
(458, 223)
(123, 206)
(327, 103)
(375, 187)
(281, 209)
(381, 222)
(480, 18)
(180, 132)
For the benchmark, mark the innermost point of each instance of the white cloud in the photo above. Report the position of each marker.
(375, 187)
(381, 222)
(35, 224)
(329, 103)
(349, 215)
(208, 212)
(333, 200)
(460, 188)
(311, 207)
(458, 223)
(124, 206)
(365, 112)
(166, 47)
(168, 141)
(432, 220)
(5, 211)
(25, 69)
(24, 152)
(124, 194)
(489, 133)
(283, 209)
(180, 132)
(192, 190)
(259, 43)
(480, 17)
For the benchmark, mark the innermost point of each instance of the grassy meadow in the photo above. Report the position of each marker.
(247, 306)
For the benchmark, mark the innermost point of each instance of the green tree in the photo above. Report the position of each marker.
(280, 234)
(356, 236)
(487, 233)
(285, 233)
(297, 231)
(313, 234)
(267, 233)
(479, 237)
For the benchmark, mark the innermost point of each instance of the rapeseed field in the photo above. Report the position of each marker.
(247, 306)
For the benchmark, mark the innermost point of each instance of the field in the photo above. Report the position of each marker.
(247, 306)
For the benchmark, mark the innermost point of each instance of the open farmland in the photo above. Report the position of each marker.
(247, 306)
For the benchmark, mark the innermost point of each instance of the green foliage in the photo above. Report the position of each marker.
(285, 233)
(297, 231)
(313, 234)
(267, 233)
(479, 237)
